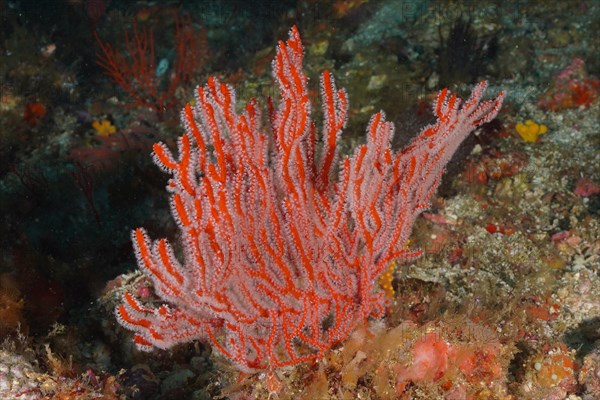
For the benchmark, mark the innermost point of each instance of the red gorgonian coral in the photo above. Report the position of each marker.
(282, 239)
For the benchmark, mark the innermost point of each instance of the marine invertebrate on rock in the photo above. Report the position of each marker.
(283, 239)
(104, 127)
(530, 130)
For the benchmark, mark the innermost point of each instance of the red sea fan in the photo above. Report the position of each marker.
(283, 238)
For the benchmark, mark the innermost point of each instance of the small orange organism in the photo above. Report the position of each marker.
(104, 127)
(557, 367)
(385, 280)
(33, 113)
(530, 130)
